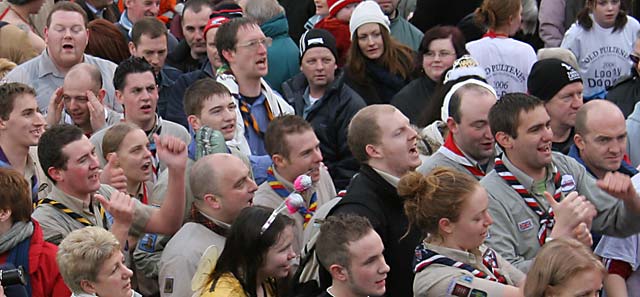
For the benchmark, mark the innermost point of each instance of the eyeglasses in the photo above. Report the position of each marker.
(254, 44)
(441, 54)
(635, 59)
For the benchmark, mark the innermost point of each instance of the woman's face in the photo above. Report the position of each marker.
(473, 224)
(605, 12)
(114, 278)
(134, 156)
(370, 40)
(586, 283)
(277, 263)
(439, 57)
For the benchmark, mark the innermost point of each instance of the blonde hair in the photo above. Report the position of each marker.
(82, 253)
(556, 263)
(6, 66)
(439, 194)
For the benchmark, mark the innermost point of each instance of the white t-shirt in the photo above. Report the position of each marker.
(506, 62)
(603, 56)
(626, 249)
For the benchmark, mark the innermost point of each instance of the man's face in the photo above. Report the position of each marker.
(82, 173)
(604, 144)
(473, 134)
(367, 269)
(388, 6)
(304, 155)
(139, 97)
(219, 113)
(25, 123)
(249, 58)
(193, 28)
(114, 278)
(397, 147)
(318, 65)
(74, 95)
(134, 156)
(212, 50)
(236, 187)
(531, 149)
(154, 50)
(66, 38)
(137, 9)
(563, 107)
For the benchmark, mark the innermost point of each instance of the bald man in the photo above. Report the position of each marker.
(222, 187)
(600, 142)
(80, 101)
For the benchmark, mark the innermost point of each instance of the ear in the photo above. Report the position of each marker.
(338, 272)
(213, 201)
(101, 95)
(56, 174)
(87, 42)
(279, 160)
(5, 214)
(579, 141)
(87, 286)
(128, 3)
(3, 124)
(373, 151)
(505, 140)
(119, 98)
(132, 48)
(194, 122)
(445, 225)
(228, 55)
(452, 125)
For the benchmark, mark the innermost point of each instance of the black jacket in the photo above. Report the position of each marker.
(371, 196)
(181, 58)
(414, 98)
(111, 12)
(330, 117)
(625, 93)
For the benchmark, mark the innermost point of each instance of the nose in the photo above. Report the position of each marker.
(547, 134)
(489, 219)
(317, 155)
(39, 120)
(385, 268)
(577, 100)
(252, 185)
(155, 8)
(126, 272)
(291, 254)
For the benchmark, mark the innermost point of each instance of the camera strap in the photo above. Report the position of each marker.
(19, 256)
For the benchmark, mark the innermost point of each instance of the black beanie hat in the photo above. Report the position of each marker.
(315, 38)
(549, 76)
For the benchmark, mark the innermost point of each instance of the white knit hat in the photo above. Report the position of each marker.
(367, 12)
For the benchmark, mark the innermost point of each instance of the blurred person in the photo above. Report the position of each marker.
(555, 17)
(15, 46)
(321, 11)
(190, 53)
(625, 92)
(18, 12)
(100, 9)
(337, 23)
(378, 66)
(403, 31)
(105, 41)
(559, 53)
(439, 48)
(6, 65)
(134, 11)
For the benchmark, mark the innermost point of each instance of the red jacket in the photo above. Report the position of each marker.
(43, 270)
(339, 30)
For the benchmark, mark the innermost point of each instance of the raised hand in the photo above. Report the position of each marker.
(582, 234)
(96, 111)
(113, 175)
(573, 210)
(618, 185)
(172, 151)
(54, 110)
(120, 206)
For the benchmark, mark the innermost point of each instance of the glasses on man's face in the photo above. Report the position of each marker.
(254, 44)
(635, 59)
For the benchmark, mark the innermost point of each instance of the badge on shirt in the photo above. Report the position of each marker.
(148, 242)
(525, 225)
(168, 285)
(567, 184)
(462, 286)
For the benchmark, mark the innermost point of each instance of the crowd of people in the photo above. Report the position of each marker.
(336, 148)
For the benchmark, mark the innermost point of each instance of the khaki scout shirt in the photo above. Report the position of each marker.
(57, 224)
(439, 280)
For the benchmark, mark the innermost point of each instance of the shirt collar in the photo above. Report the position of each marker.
(525, 180)
(393, 180)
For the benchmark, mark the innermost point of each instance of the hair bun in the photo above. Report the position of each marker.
(411, 184)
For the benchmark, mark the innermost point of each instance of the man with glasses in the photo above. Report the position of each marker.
(625, 92)
(559, 85)
(243, 50)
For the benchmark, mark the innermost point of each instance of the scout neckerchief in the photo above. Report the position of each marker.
(61, 207)
(197, 217)
(144, 196)
(546, 218)
(4, 163)
(157, 129)
(494, 34)
(451, 151)
(249, 119)
(281, 190)
(425, 257)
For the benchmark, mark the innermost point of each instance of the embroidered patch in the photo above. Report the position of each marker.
(525, 225)
(148, 243)
(466, 278)
(567, 184)
(168, 284)
(456, 289)
(477, 293)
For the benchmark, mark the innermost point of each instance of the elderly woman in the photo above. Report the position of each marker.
(92, 264)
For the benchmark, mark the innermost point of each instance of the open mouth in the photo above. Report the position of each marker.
(228, 128)
(262, 62)
(146, 108)
(545, 148)
(146, 166)
(67, 46)
(36, 132)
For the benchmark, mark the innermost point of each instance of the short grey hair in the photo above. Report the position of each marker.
(263, 10)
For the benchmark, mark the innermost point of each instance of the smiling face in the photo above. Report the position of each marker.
(138, 9)
(218, 113)
(139, 98)
(66, 38)
(277, 261)
(114, 278)
(25, 124)
(370, 40)
(318, 65)
(82, 174)
(396, 152)
(605, 12)
(471, 228)
(134, 156)
(438, 58)
(193, 24)
(248, 59)
(367, 270)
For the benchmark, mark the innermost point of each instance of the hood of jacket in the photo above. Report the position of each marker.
(276, 26)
